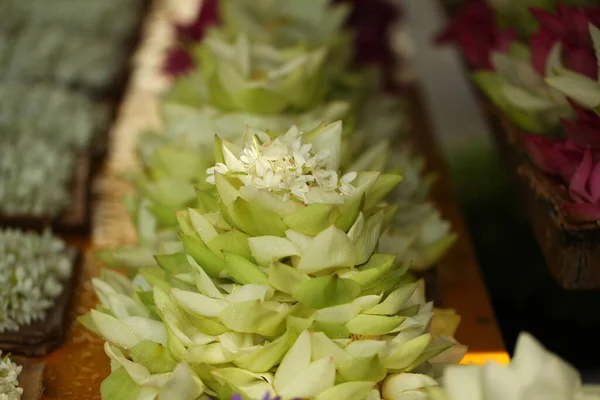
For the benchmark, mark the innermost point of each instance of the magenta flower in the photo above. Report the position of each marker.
(474, 29)
(569, 27)
(576, 160)
(208, 15)
(554, 157)
(178, 62)
(585, 130)
(584, 189)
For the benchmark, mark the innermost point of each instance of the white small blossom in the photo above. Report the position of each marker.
(32, 268)
(283, 165)
(9, 384)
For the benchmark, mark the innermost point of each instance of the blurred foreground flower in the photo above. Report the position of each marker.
(534, 373)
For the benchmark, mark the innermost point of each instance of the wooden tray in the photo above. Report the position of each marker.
(41, 337)
(571, 250)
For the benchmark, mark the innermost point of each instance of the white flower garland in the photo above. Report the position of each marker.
(31, 269)
(9, 385)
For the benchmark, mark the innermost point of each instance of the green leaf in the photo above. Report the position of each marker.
(244, 271)
(521, 98)
(312, 219)
(175, 263)
(580, 88)
(384, 185)
(327, 291)
(349, 211)
(199, 304)
(206, 202)
(285, 278)
(155, 357)
(394, 301)
(372, 325)
(265, 318)
(407, 353)
(365, 236)
(119, 386)
(113, 330)
(127, 257)
(268, 249)
(233, 241)
(330, 249)
(267, 356)
(368, 369)
(377, 266)
(256, 221)
(203, 228)
(209, 262)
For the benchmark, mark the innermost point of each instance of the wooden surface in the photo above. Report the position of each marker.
(459, 275)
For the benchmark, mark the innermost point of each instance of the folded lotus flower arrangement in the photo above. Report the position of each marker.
(276, 285)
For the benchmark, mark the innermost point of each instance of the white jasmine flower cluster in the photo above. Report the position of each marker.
(32, 267)
(9, 385)
(283, 165)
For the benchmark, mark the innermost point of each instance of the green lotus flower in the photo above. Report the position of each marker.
(241, 75)
(521, 94)
(286, 23)
(174, 166)
(276, 286)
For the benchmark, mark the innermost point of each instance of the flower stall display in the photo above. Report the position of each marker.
(276, 285)
(543, 87)
(37, 272)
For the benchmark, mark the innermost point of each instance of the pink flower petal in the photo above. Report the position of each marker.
(581, 59)
(548, 21)
(550, 156)
(582, 212)
(594, 183)
(541, 43)
(578, 183)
